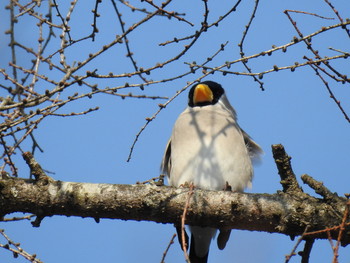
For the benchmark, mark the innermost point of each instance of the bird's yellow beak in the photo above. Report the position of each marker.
(202, 93)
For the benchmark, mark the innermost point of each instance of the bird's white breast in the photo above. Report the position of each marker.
(208, 149)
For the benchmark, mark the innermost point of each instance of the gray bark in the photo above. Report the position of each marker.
(288, 212)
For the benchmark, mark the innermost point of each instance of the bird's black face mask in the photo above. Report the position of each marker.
(205, 93)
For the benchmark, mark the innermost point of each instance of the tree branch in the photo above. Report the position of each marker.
(274, 213)
(288, 212)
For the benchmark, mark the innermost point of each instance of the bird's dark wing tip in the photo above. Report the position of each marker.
(166, 161)
(223, 237)
(179, 236)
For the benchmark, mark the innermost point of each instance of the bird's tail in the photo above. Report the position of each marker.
(193, 255)
(200, 242)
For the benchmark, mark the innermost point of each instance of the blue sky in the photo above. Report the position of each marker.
(295, 109)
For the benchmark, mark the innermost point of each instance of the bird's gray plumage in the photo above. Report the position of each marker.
(208, 148)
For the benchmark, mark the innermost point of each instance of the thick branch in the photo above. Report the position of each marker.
(279, 213)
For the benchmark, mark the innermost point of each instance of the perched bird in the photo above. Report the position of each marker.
(208, 149)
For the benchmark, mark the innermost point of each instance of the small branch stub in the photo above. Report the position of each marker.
(35, 168)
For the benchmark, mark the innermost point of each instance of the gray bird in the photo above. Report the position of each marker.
(209, 149)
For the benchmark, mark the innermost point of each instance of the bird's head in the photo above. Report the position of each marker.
(205, 93)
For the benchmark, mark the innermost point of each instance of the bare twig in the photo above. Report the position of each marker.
(308, 13)
(183, 219)
(331, 94)
(292, 253)
(240, 45)
(341, 232)
(13, 219)
(338, 15)
(17, 250)
(126, 41)
(167, 248)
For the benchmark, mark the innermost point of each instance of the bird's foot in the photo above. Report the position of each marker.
(227, 187)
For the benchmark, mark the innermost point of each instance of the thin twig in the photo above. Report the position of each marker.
(17, 250)
(308, 13)
(338, 15)
(240, 45)
(341, 232)
(183, 219)
(13, 219)
(292, 253)
(167, 248)
(331, 94)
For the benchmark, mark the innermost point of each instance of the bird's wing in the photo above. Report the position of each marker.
(254, 149)
(166, 161)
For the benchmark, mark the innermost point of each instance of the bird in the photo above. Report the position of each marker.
(208, 149)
